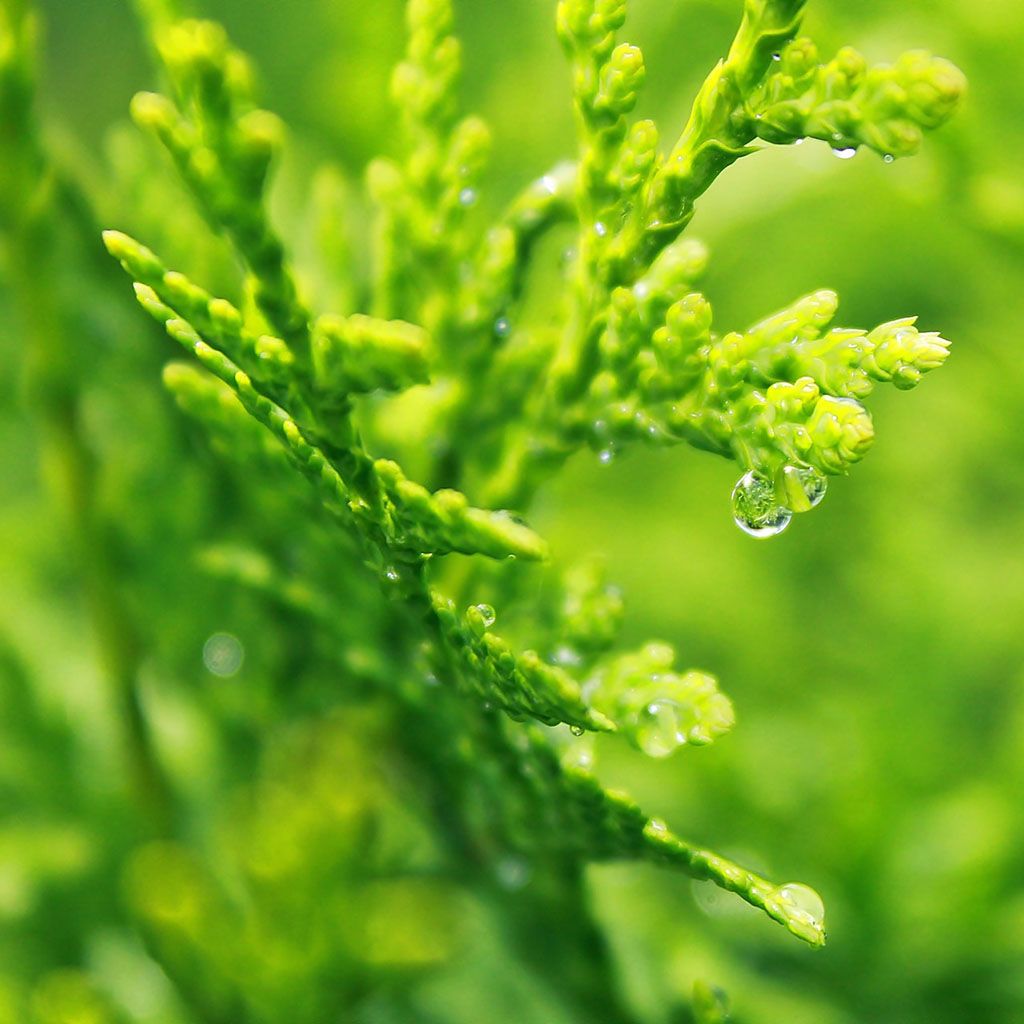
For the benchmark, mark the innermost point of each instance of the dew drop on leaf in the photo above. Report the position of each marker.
(467, 197)
(487, 615)
(803, 898)
(803, 487)
(845, 154)
(755, 508)
(657, 732)
(815, 484)
(502, 328)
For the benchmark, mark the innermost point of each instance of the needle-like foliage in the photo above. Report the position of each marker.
(497, 728)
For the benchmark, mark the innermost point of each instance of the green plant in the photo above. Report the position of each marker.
(454, 375)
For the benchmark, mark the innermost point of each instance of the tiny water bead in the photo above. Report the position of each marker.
(467, 197)
(565, 656)
(756, 509)
(481, 617)
(502, 327)
(513, 873)
(223, 655)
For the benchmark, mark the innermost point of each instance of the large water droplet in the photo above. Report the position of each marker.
(803, 487)
(815, 484)
(845, 154)
(659, 732)
(804, 899)
(755, 508)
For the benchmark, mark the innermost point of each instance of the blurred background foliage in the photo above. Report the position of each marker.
(875, 653)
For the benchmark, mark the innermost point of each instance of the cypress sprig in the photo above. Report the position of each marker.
(504, 741)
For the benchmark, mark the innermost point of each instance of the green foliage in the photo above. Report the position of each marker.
(468, 754)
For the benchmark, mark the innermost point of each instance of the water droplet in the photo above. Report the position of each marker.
(888, 158)
(577, 730)
(776, 56)
(803, 486)
(657, 827)
(467, 197)
(600, 229)
(804, 899)
(755, 508)
(487, 615)
(502, 328)
(549, 185)
(565, 655)
(392, 574)
(845, 153)
(513, 873)
(606, 455)
(815, 484)
(223, 654)
(799, 142)
(659, 731)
